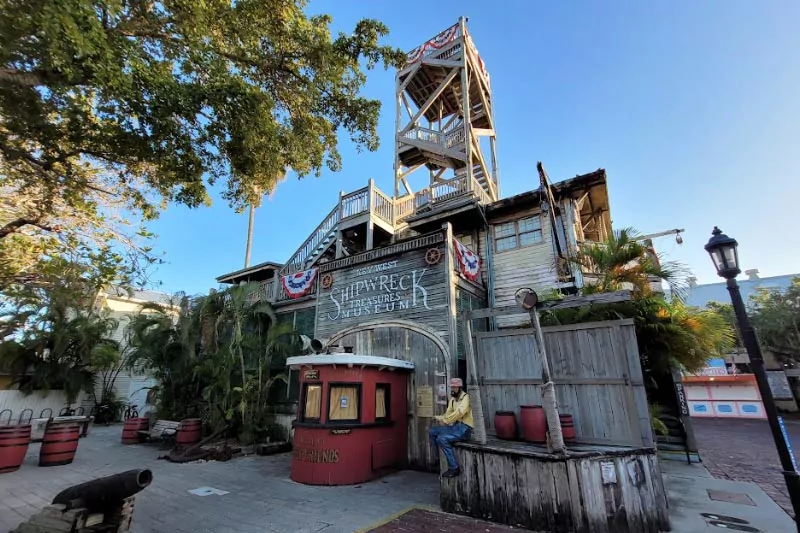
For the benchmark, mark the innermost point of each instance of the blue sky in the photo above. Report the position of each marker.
(693, 109)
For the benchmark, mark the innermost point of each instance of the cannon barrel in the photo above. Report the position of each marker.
(105, 492)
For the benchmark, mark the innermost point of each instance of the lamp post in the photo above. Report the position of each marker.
(724, 254)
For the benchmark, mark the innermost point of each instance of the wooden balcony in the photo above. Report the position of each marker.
(370, 206)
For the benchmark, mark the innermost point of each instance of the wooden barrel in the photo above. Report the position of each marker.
(189, 432)
(59, 443)
(567, 427)
(131, 429)
(14, 442)
(534, 423)
(505, 425)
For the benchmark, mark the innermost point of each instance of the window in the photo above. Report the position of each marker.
(518, 233)
(343, 403)
(382, 404)
(312, 402)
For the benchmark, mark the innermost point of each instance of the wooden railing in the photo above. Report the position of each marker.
(298, 259)
(448, 139)
(370, 199)
(439, 46)
(403, 207)
(383, 206)
(355, 203)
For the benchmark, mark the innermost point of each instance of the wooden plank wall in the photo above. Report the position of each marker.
(403, 341)
(596, 371)
(531, 266)
(607, 493)
(401, 286)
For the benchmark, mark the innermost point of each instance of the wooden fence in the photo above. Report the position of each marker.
(597, 375)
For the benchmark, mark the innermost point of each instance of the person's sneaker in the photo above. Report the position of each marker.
(453, 472)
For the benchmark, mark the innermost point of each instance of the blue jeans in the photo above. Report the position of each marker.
(445, 436)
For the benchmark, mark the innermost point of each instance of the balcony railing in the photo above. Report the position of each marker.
(452, 139)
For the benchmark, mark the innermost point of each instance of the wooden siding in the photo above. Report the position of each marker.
(396, 287)
(431, 357)
(597, 375)
(530, 266)
(592, 489)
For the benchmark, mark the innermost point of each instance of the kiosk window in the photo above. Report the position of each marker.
(344, 403)
(313, 402)
(382, 402)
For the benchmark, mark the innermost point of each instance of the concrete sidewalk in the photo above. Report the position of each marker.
(698, 502)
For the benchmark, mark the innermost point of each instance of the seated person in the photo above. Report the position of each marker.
(457, 427)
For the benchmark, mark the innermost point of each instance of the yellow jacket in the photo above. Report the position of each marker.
(458, 410)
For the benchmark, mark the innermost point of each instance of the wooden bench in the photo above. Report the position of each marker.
(161, 430)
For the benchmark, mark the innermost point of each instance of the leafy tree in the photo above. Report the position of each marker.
(111, 109)
(60, 350)
(214, 360)
(775, 315)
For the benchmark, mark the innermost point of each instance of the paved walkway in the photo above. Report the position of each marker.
(429, 520)
(260, 496)
(743, 450)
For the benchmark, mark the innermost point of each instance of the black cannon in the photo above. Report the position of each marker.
(105, 492)
(104, 504)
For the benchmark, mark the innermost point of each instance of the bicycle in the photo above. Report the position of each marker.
(130, 411)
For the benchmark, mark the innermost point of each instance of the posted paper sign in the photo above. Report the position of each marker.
(425, 402)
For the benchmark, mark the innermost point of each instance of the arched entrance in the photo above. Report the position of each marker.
(427, 393)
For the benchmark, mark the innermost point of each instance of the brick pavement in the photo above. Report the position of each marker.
(429, 521)
(260, 498)
(743, 450)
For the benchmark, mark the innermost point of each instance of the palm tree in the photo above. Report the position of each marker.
(60, 351)
(622, 261)
(214, 361)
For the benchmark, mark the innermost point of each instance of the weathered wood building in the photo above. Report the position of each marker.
(388, 274)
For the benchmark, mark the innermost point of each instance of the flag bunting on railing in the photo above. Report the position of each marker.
(468, 263)
(300, 283)
(447, 36)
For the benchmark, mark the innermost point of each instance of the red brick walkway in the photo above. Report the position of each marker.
(743, 450)
(433, 521)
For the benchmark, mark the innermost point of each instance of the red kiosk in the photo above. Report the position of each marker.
(352, 418)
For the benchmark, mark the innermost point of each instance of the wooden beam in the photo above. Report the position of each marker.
(409, 171)
(407, 105)
(483, 132)
(566, 303)
(408, 78)
(406, 185)
(447, 63)
(438, 176)
(431, 99)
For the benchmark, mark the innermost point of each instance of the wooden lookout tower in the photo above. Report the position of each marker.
(445, 123)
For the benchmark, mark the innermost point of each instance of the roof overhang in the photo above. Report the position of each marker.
(347, 359)
(240, 275)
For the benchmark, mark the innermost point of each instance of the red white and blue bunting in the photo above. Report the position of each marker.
(468, 262)
(300, 283)
(446, 37)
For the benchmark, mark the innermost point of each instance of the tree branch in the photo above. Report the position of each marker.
(15, 225)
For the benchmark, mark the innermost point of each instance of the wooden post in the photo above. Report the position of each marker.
(370, 209)
(465, 105)
(449, 266)
(549, 401)
(339, 252)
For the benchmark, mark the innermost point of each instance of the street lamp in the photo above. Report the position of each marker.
(724, 254)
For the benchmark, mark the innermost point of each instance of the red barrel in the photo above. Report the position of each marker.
(567, 427)
(534, 423)
(59, 443)
(189, 432)
(14, 442)
(131, 429)
(505, 425)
